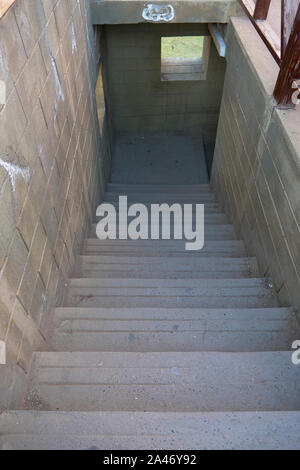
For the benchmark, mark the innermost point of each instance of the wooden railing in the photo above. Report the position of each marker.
(4, 6)
(285, 50)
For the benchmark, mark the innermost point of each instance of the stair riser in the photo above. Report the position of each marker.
(252, 316)
(209, 218)
(136, 273)
(173, 329)
(144, 252)
(163, 198)
(210, 207)
(170, 327)
(173, 189)
(193, 267)
(202, 302)
(164, 245)
(177, 263)
(241, 341)
(211, 232)
(168, 441)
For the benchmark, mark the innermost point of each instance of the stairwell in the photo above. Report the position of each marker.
(158, 348)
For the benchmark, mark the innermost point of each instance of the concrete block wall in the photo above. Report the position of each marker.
(50, 178)
(140, 101)
(256, 169)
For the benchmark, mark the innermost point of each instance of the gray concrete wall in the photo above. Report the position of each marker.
(50, 178)
(256, 170)
(185, 11)
(140, 101)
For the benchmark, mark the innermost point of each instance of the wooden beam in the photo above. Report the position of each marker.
(218, 39)
(4, 6)
(261, 9)
(284, 92)
(265, 31)
(288, 13)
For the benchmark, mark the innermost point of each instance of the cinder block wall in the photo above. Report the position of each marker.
(50, 178)
(256, 169)
(140, 101)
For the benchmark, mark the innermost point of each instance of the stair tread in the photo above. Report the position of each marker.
(221, 248)
(125, 431)
(154, 198)
(156, 345)
(210, 205)
(249, 314)
(173, 291)
(162, 260)
(164, 244)
(171, 192)
(173, 329)
(182, 381)
(90, 273)
(210, 364)
(146, 293)
(187, 284)
(162, 197)
(210, 219)
(158, 187)
(172, 265)
(221, 232)
(174, 320)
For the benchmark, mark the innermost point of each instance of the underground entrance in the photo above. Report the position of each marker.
(163, 86)
(138, 342)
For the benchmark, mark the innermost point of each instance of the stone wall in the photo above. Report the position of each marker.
(256, 170)
(50, 177)
(140, 101)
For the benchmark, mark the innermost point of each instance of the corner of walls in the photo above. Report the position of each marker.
(108, 131)
(256, 168)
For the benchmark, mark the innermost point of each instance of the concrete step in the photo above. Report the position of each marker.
(106, 273)
(209, 293)
(146, 330)
(211, 232)
(181, 382)
(231, 248)
(190, 287)
(209, 219)
(210, 207)
(161, 267)
(158, 188)
(32, 430)
(161, 198)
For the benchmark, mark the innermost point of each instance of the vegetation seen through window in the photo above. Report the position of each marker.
(185, 47)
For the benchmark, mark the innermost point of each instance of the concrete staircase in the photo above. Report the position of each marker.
(159, 348)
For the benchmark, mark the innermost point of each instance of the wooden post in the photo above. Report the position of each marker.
(263, 28)
(290, 68)
(288, 13)
(261, 9)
